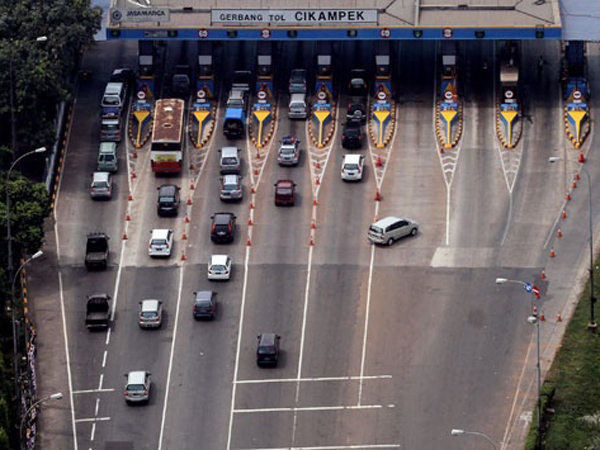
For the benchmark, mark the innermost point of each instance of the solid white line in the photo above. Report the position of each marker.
(116, 291)
(170, 367)
(101, 380)
(93, 391)
(331, 447)
(366, 326)
(104, 358)
(93, 431)
(238, 349)
(97, 406)
(107, 340)
(315, 379)
(64, 325)
(309, 408)
(93, 419)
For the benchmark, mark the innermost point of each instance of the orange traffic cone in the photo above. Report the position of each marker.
(574, 185)
(535, 310)
(378, 161)
(577, 177)
(183, 258)
(249, 221)
(559, 318)
(257, 154)
(315, 202)
(192, 186)
(312, 241)
(124, 236)
(184, 237)
(568, 196)
(189, 202)
(255, 172)
(133, 175)
(581, 157)
(187, 219)
(564, 214)
(318, 165)
(552, 254)
(135, 154)
(130, 197)
(248, 243)
(543, 274)
(251, 205)
(317, 182)
(559, 233)
(252, 191)
(191, 166)
(127, 217)
(377, 196)
(313, 226)
(543, 317)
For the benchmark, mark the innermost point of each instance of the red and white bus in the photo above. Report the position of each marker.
(166, 151)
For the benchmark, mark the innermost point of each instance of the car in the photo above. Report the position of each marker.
(222, 229)
(219, 267)
(101, 186)
(357, 110)
(124, 75)
(357, 86)
(205, 305)
(231, 187)
(180, 83)
(267, 351)
(161, 243)
(389, 229)
(107, 157)
(151, 313)
(297, 84)
(352, 167)
(289, 151)
(137, 387)
(229, 161)
(352, 135)
(285, 193)
(167, 203)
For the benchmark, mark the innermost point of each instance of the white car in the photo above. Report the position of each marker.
(161, 242)
(219, 267)
(352, 167)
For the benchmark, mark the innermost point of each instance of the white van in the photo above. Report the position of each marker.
(298, 108)
(230, 160)
(113, 100)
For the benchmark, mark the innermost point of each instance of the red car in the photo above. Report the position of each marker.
(284, 192)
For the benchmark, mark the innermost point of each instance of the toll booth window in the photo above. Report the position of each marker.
(352, 33)
(479, 34)
(292, 33)
(417, 33)
(231, 34)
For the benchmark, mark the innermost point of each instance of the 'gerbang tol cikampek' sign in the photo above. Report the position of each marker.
(293, 16)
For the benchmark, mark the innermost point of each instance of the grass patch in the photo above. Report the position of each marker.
(571, 392)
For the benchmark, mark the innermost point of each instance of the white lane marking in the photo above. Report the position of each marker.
(64, 326)
(309, 408)
(366, 325)
(315, 379)
(331, 447)
(96, 409)
(93, 432)
(93, 391)
(101, 380)
(170, 368)
(116, 291)
(104, 358)
(238, 349)
(93, 419)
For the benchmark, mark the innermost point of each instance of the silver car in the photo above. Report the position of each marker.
(289, 151)
(137, 387)
(101, 186)
(389, 229)
(231, 187)
(151, 313)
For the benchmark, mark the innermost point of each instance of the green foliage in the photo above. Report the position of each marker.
(4, 441)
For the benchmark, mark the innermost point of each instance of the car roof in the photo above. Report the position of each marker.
(113, 87)
(285, 183)
(203, 296)
(100, 176)
(150, 305)
(387, 221)
(352, 159)
(231, 179)
(161, 233)
(229, 151)
(136, 377)
(218, 260)
(297, 97)
(267, 339)
(352, 124)
(108, 147)
(168, 189)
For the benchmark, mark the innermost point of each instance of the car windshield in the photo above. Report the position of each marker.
(111, 101)
(229, 187)
(284, 191)
(217, 268)
(136, 387)
(229, 161)
(159, 242)
(107, 157)
(167, 200)
(351, 166)
(287, 150)
(149, 314)
(99, 185)
(266, 350)
(110, 126)
(375, 229)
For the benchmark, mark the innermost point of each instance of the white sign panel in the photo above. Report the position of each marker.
(141, 15)
(293, 16)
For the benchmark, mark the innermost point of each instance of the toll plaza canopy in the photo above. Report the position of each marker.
(333, 19)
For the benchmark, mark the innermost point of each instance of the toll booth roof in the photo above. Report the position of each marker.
(337, 13)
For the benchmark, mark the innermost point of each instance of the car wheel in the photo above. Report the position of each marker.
(413, 231)
(390, 241)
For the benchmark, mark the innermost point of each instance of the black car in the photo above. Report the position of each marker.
(223, 227)
(357, 110)
(168, 200)
(180, 83)
(357, 86)
(352, 136)
(124, 75)
(267, 353)
(205, 305)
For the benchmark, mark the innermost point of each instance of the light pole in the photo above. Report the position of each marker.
(533, 319)
(592, 325)
(10, 262)
(458, 432)
(56, 396)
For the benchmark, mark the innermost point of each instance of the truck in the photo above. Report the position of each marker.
(235, 122)
(96, 251)
(97, 311)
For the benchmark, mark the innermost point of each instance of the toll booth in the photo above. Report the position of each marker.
(146, 82)
(576, 94)
(264, 68)
(508, 124)
(206, 78)
(324, 81)
(383, 69)
(449, 76)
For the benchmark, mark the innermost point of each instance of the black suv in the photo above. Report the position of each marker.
(267, 353)
(124, 75)
(223, 227)
(205, 305)
(168, 200)
(352, 135)
(357, 110)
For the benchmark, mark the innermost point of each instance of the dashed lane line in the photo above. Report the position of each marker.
(332, 447)
(314, 379)
(93, 419)
(93, 391)
(310, 408)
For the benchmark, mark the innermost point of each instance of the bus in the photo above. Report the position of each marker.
(166, 151)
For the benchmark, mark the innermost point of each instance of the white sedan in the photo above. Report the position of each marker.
(352, 167)
(219, 267)
(161, 243)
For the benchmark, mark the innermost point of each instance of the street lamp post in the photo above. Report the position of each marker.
(458, 432)
(10, 262)
(56, 396)
(532, 319)
(592, 325)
